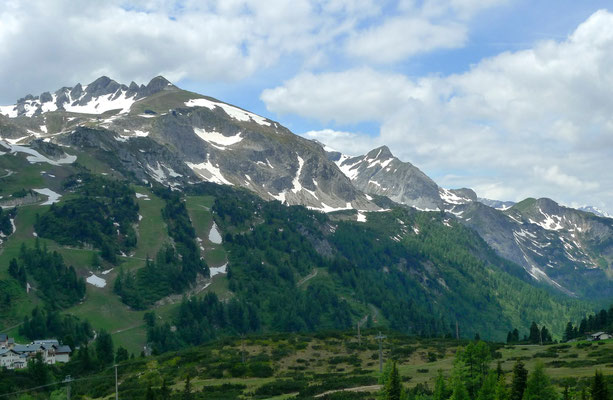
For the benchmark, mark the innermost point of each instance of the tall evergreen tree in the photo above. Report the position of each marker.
(535, 334)
(518, 385)
(502, 392)
(440, 388)
(568, 332)
(164, 391)
(393, 387)
(187, 390)
(459, 390)
(539, 386)
(104, 348)
(488, 389)
(599, 387)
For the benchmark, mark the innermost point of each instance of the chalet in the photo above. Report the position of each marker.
(4, 339)
(599, 336)
(15, 356)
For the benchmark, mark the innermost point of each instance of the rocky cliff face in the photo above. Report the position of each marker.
(380, 173)
(568, 249)
(162, 133)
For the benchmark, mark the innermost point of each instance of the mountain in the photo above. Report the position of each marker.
(219, 142)
(596, 211)
(141, 196)
(571, 250)
(497, 204)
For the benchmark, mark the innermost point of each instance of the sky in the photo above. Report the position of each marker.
(511, 98)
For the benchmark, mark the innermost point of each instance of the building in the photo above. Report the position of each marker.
(599, 336)
(16, 356)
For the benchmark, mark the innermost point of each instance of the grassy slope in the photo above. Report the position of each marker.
(199, 208)
(314, 357)
(101, 307)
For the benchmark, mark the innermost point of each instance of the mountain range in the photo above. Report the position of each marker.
(160, 135)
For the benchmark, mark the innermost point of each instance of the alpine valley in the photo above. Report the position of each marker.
(123, 202)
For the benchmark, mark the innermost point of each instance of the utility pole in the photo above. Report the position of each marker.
(116, 385)
(541, 337)
(243, 347)
(380, 337)
(67, 381)
(359, 335)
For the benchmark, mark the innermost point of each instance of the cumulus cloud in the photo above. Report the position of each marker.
(538, 120)
(420, 27)
(351, 143)
(46, 42)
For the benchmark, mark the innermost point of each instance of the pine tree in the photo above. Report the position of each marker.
(502, 392)
(499, 371)
(535, 334)
(164, 391)
(393, 387)
(149, 395)
(539, 386)
(104, 348)
(440, 388)
(599, 387)
(520, 377)
(459, 390)
(488, 389)
(187, 391)
(568, 332)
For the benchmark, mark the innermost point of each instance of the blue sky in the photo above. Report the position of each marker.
(511, 98)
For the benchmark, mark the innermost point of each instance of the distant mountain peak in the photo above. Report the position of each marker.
(101, 95)
(380, 153)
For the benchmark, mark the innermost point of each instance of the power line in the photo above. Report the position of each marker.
(89, 378)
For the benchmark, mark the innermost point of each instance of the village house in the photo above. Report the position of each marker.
(599, 336)
(16, 356)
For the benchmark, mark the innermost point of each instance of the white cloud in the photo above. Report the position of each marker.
(538, 120)
(401, 37)
(48, 43)
(420, 27)
(340, 96)
(351, 143)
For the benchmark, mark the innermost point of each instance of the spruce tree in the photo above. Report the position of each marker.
(149, 395)
(502, 392)
(520, 377)
(164, 391)
(459, 390)
(187, 391)
(488, 389)
(535, 334)
(393, 387)
(568, 332)
(440, 388)
(539, 386)
(599, 387)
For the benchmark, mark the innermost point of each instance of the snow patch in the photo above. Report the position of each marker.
(449, 197)
(209, 172)
(35, 157)
(233, 112)
(52, 196)
(214, 235)
(218, 270)
(217, 139)
(296, 182)
(96, 281)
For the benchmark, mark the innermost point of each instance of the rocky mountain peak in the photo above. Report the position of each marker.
(380, 153)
